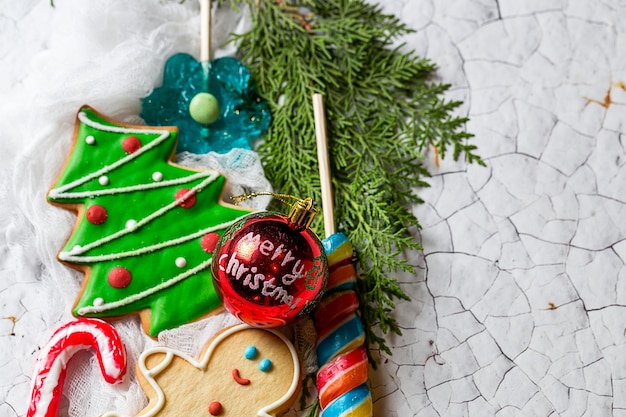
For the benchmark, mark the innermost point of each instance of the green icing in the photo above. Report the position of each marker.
(150, 251)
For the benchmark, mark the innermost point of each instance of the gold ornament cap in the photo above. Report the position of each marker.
(303, 212)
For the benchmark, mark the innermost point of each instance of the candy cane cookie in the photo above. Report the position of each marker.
(342, 377)
(51, 364)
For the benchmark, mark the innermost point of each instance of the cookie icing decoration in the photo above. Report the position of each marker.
(181, 262)
(65, 342)
(96, 214)
(185, 197)
(131, 144)
(221, 382)
(209, 241)
(250, 352)
(238, 379)
(265, 365)
(149, 224)
(215, 408)
(119, 277)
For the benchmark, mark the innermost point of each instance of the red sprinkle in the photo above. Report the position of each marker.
(215, 408)
(96, 214)
(209, 241)
(238, 379)
(131, 144)
(187, 202)
(119, 277)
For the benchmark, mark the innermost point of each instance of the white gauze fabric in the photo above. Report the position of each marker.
(108, 54)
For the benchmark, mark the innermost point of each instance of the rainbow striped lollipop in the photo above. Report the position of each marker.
(342, 377)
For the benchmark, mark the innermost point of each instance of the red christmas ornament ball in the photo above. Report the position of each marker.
(268, 270)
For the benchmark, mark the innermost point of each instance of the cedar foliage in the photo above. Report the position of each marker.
(382, 113)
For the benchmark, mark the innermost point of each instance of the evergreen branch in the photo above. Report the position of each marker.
(382, 112)
(314, 410)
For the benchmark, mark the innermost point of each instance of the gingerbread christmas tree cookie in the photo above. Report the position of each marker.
(146, 227)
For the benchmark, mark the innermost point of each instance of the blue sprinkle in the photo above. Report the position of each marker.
(265, 365)
(250, 352)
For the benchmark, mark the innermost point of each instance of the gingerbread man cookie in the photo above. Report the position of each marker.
(243, 371)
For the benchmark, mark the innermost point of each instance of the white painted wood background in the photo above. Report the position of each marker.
(518, 308)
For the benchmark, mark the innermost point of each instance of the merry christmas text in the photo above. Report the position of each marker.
(236, 267)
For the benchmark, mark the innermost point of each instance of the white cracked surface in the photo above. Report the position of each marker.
(519, 304)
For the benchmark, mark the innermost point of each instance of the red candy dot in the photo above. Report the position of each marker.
(209, 241)
(215, 408)
(131, 144)
(96, 214)
(187, 202)
(119, 277)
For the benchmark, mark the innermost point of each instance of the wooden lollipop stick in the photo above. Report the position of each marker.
(324, 164)
(205, 30)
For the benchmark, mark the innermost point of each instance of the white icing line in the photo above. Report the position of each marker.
(143, 294)
(263, 412)
(202, 365)
(145, 220)
(72, 256)
(169, 357)
(82, 116)
(128, 189)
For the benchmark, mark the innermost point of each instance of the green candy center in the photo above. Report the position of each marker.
(204, 108)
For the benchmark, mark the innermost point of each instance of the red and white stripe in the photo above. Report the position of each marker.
(51, 365)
